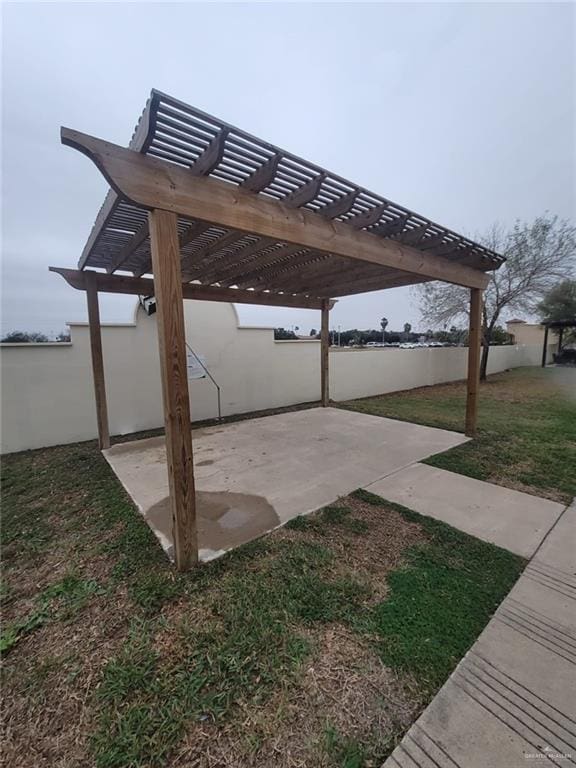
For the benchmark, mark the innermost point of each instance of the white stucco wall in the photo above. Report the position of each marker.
(47, 392)
(362, 372)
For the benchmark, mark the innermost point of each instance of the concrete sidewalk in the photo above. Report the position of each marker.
(511, 702)
(510, 519)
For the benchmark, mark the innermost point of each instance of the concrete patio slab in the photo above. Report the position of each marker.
(513, 520)
(254, 475)
(510, 702)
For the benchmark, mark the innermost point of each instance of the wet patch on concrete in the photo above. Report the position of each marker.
(297, 462)
(225, 520)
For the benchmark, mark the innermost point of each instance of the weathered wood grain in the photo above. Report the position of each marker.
(97, 363)
(172, 345)
(143, 286)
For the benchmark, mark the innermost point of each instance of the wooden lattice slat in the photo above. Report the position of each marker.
(179, 133)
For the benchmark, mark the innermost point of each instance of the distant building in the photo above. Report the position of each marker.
(528, 333)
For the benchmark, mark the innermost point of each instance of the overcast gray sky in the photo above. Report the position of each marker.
(462, 112)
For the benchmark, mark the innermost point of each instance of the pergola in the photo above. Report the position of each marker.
(216, 214)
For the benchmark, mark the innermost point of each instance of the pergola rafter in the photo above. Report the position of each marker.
(219, 215)
(204, 145)
(150, 183)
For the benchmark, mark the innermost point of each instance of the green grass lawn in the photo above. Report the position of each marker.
(527, 428)
(318, 643)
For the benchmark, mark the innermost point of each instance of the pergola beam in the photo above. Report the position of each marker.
(152, 183)
(143, 286)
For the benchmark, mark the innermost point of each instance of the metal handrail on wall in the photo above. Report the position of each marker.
(212, 379)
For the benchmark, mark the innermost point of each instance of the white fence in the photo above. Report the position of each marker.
(47, 393)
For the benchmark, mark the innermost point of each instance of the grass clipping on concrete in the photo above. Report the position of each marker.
(316, 645)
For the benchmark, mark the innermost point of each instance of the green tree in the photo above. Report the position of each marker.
(24, 337)
(458, 335)
(281, 334)
(559, 303)
(500, 335)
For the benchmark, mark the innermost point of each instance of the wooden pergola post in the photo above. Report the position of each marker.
(97, 361)
(325, 354)
(474, 344)
(172, 343)
(545, 347)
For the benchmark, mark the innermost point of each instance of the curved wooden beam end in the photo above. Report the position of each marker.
(95, 150)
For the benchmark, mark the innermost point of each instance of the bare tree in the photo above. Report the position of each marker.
(538, 255)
